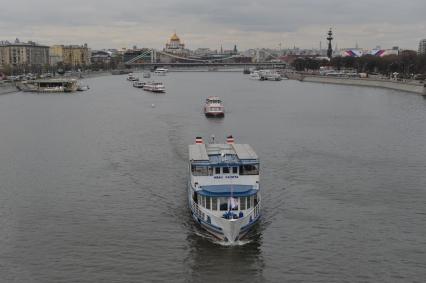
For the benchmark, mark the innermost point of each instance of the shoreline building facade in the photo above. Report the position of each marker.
(23, 55)
(70, 55)
(422, 47)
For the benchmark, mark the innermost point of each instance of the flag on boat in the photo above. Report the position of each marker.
(232, 203)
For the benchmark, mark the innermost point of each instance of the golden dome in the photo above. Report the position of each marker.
(174, 37)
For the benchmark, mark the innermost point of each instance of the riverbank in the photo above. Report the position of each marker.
(412, 87)
(7, 87)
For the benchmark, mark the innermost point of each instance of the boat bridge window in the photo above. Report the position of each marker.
(225, 170)
(223, 204)
(201, 170)
(217, 170)
(234, 170)
(250, 169)
(214, 203)
(243, 201)
(208, 202)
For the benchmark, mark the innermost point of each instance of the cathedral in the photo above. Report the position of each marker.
(176, 47)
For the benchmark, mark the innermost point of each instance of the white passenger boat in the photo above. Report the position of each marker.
(213, 107)
(132, 78)
(223, 188)
(146, 75)
(138, 84)
(82, 87)
(154, 87)
(256, 75)
(161, 71)
(271, 75)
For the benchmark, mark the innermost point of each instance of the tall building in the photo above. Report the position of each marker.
(70, 55)
(422, 47)
(23, 54)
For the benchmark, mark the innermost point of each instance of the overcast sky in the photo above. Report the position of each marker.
(200, 23)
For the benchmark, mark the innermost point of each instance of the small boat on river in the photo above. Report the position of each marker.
(138, 84)
(132, 78)
(213, 107)
(154, 87)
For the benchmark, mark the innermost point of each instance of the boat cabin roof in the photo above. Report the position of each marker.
(222, 153)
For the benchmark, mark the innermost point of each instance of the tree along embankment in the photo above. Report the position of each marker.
(412, 86)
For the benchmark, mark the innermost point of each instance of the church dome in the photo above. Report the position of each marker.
(174, 37)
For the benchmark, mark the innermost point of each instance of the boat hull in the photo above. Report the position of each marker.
(214, 114)
(231, 233)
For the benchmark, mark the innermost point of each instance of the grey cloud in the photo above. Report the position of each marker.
(204, 17)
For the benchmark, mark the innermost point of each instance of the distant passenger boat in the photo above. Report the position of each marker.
(138, 84)
(154, 87)
(256, 75)
(161, 71)
(146, 75)
(271, 75)
(132, 78)
(82, 87)
(213, 107)
(223, 188)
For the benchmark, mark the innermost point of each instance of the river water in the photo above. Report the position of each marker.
(93, 184)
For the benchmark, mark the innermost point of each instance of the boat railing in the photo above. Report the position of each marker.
(201, 212)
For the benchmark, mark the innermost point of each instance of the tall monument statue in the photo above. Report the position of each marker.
(329, 38)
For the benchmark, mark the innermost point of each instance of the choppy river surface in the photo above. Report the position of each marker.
(93, 184)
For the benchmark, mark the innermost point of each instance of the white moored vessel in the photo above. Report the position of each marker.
(213, 107)
(161, 71)
(138, 84)
(132, 78)
(256, 75)
(154, 87)
(223, 188)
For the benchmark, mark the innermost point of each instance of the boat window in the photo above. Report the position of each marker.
(249, 169)
(208, 202)
(251, 201)
(217, 170)
(204, 201)
(243, 203)
(255, 199)
(223, 204)
(248, 202)
(214, 203)
(200, 200)
(225, 170)
(234, 170)
(200, 170)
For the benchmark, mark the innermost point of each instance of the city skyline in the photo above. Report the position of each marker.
(249, 24)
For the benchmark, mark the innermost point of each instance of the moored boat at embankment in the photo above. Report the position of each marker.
(223, 188)
(138, 84)
(49, 85)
